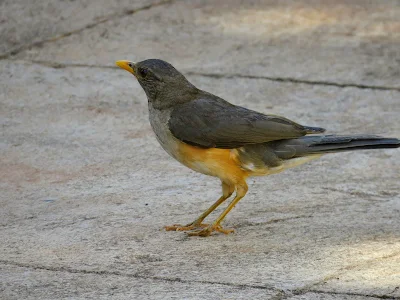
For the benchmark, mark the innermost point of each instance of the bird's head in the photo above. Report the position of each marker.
(163, 84)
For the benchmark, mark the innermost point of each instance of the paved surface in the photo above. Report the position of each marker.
(86, 189)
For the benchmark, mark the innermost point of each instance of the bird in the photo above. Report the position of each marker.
(214, 137)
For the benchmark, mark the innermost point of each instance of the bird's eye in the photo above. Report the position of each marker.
(130, 65)
(143, 72)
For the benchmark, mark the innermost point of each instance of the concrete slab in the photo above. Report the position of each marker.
(367, 278)
(346, 42)
(315, 296)
(23, 23)
(26, 283)
(85, 187)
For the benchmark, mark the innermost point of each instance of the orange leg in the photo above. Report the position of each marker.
(241, 190)
(227, 191)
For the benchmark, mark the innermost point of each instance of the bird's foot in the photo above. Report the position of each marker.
(190, 226)
(209, 229)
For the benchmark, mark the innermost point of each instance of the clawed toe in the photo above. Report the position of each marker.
(209, 229)
(179, 227)
(203, 229)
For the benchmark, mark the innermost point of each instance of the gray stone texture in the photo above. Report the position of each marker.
(86, 189)
(26, 22)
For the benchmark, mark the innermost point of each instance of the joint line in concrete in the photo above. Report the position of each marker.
(79, 30)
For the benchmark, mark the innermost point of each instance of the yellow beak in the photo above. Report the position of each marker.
(126, 65)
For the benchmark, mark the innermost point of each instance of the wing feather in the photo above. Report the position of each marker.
(211, 122)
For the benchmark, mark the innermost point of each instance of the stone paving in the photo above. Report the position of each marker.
(86, 189)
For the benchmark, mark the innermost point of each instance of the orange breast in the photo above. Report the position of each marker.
(222, 163)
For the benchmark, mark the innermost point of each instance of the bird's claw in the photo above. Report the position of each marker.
(209, 229)
(190, 226)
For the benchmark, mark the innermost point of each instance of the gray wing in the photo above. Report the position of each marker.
(215, 123)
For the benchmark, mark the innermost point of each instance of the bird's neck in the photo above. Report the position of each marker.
(174, 95)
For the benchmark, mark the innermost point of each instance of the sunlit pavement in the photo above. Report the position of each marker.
(86, 189)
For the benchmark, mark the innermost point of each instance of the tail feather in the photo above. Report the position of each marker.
(331, 143)
(308, 145)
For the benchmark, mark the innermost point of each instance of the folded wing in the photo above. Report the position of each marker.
(211, 122)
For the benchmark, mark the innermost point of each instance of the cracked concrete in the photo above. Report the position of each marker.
(353, 42)
(109, 286)
(86, 189)
(34, 23)
(58, 65)
(301, 81)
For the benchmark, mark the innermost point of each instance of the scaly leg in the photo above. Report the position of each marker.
(227, 191)
(241, 190)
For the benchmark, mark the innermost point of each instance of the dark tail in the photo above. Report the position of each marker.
(308, 145)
